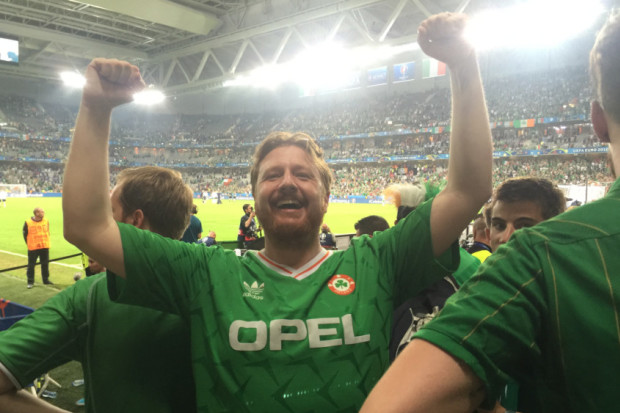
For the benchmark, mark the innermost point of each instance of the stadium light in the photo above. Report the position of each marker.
(326, 65)
(533, 24)
(149, 97)
(73, 79)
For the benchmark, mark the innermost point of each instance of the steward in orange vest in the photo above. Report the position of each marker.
(37, 236)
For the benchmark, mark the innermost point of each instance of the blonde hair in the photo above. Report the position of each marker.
(301, 140)
(161, 194)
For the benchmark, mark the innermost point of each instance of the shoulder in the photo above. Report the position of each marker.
(595, 220)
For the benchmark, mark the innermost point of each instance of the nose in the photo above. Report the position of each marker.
(507, 233)
(287, 183)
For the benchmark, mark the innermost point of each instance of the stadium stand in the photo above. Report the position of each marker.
(539, 122)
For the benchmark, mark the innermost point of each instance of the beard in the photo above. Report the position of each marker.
(300, 232)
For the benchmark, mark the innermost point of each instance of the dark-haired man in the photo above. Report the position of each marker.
(369, 225)
(193, 232)
(292, 327)
(521, 203)
(248, 230)
(543, 309)
(134, 359)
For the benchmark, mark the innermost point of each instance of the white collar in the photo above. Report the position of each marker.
(300, 273)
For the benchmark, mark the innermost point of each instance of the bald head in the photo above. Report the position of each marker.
(38, 213)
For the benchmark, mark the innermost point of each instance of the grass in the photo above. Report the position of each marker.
(223, 219)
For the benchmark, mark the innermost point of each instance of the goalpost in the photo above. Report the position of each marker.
(14, 190)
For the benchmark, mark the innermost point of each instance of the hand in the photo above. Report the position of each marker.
(110, 83)
(441, 37)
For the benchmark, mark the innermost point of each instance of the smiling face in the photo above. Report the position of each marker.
(290, 199)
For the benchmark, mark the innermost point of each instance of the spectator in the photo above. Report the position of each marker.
(369, 225)
(541, 310)
(208, 240)
(292, 287)
(481, 248)
(520, 203)
(123, 349)
(193, 232)
(326, 238)
(248, 230)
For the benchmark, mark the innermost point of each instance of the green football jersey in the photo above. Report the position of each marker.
(266, 337)
(116, 344)
(543, 310)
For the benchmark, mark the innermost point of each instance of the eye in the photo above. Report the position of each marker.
(499, 226)
(271, 176)
(524, 225)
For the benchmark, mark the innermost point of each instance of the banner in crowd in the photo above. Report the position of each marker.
(404, 72)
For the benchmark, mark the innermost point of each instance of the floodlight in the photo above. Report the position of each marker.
(533, 24)
(149, 97)
(325, 66)
(73, 79)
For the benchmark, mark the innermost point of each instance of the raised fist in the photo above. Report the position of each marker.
(110, 83)
(441, 37)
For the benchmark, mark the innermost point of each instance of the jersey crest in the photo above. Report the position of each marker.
(341, 284)
(254, 291)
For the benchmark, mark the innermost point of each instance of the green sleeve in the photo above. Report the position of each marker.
(493, 321)
(47, 338)
(467, 268)
(161, 273)
(406, 251)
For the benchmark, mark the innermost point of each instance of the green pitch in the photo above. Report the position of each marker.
(222, 218)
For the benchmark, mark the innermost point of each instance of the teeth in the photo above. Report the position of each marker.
(288, 203)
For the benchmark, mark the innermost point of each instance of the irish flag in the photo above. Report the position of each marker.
(433, 68)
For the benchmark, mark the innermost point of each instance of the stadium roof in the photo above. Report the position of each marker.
(185, 46)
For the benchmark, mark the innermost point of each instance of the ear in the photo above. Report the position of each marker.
(488, 233)
(326, 202)
(599, 121)
(137, 219)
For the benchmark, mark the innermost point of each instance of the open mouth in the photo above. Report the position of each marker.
(287, 204)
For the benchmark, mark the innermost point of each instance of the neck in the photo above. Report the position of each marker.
(294, 254)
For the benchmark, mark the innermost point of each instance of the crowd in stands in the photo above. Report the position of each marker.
(363, 179)
(213, 152)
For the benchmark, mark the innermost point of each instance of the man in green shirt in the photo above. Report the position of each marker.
(291, 327)
(134, 359)
(543, 309)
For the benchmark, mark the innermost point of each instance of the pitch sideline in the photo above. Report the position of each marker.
(76, 266)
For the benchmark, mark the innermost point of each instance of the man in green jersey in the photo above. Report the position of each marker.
(134, 359)
(543, 309)
(291, 327)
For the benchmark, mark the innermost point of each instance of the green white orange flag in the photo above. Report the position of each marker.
(433, 68)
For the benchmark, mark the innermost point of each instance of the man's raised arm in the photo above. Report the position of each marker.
(88, 222)
(471, 151)
(455, 388)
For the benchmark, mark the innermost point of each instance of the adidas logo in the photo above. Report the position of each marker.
(254, 291)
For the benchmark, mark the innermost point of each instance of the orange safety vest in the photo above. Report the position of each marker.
(38, 234)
